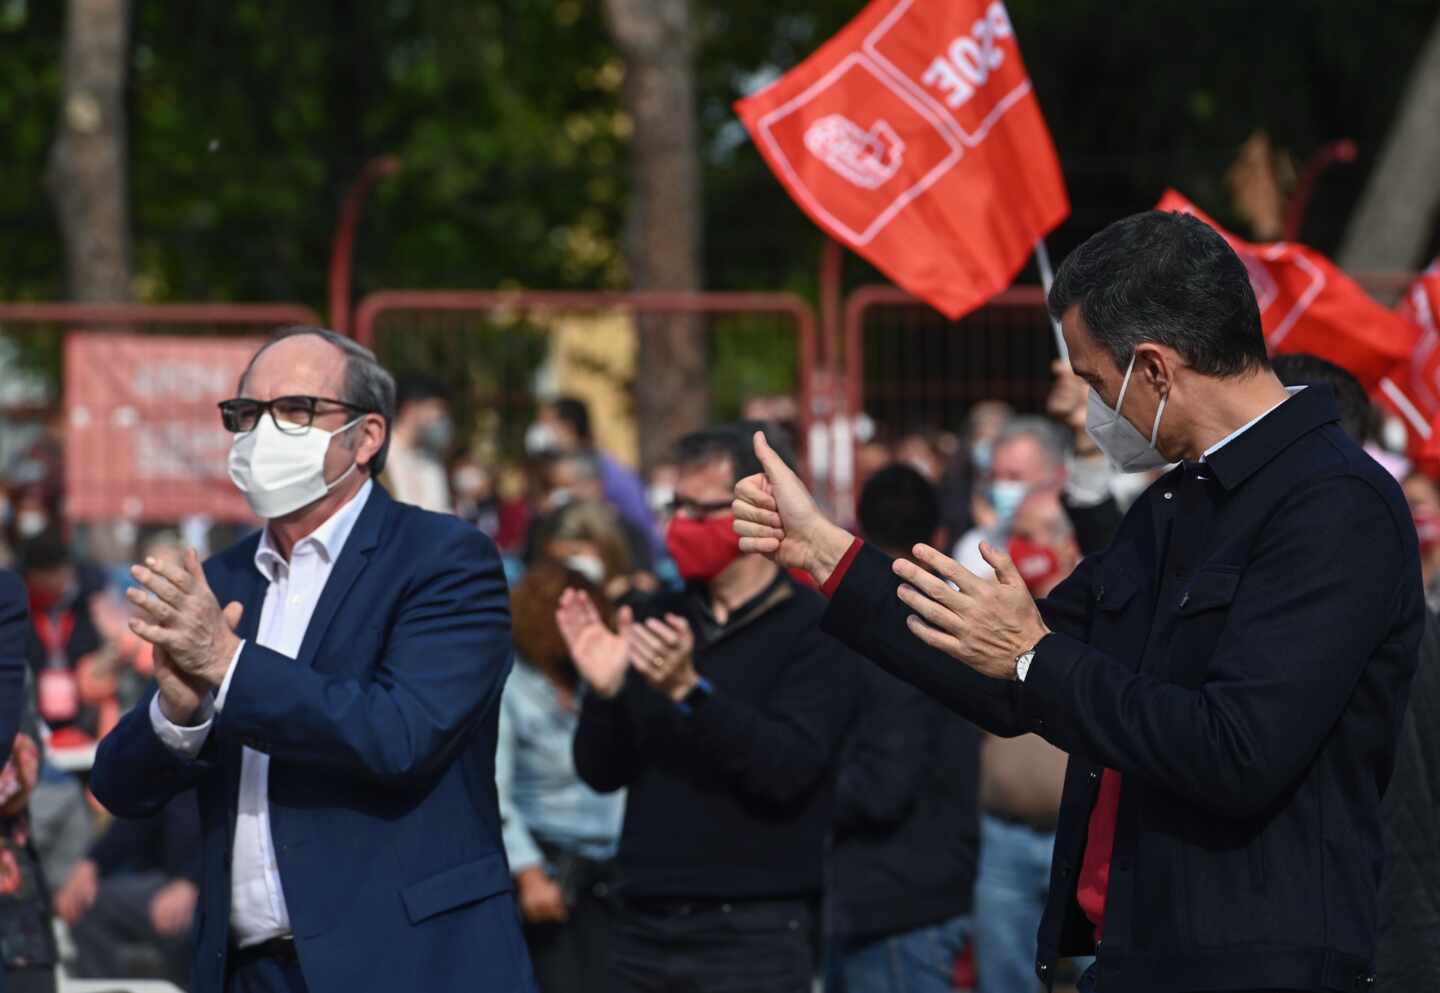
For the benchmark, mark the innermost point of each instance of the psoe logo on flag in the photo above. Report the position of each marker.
(865, 158)
(856, 179)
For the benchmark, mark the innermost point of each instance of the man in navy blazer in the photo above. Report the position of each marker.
(337, 716)
(14, 647)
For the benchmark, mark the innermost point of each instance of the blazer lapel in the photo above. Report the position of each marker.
(353, 559)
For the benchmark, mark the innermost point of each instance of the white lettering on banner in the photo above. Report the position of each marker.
(971, 58)
(171, 451)
(1425, 391)
(866, 158)
(181, 379)
(955, 85)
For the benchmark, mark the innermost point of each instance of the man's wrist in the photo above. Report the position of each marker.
(683, 684)
(221, 660)
(827, 551)
(180, 714)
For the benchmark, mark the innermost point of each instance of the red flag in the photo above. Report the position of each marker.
(1411, 389)
(913, 138)
(1307, 304)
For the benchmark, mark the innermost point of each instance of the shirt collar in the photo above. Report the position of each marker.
(328, 539)
(1290, 390)
(1235, 458)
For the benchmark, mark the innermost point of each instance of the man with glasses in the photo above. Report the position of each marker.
(337, 714)
(722, 710)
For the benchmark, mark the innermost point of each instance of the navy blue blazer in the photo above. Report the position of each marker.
(15, 635)
(381, 738)
(1242, 655)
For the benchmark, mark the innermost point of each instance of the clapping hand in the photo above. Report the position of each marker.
(662, 650)
(599, 653)
(184, 618)
(776, 516)
(985, 624)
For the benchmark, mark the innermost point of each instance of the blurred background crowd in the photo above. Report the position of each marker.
(176, 175)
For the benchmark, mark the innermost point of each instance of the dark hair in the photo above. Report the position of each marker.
(573, 412)
(1169, 279)
(44, 551)
(1311, 370)
(898, 509)
(733, 441)
(413, 389)
(368, 384)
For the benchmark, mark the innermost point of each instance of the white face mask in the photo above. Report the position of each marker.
(1120, 440)
(588, 566)
(540, 438)
(278, 472)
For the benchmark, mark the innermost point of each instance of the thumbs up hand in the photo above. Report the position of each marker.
(776, 516)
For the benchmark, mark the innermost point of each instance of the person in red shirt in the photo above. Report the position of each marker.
(1227, 676)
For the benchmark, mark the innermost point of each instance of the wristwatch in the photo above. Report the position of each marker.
(1022, 664)
(697, 695)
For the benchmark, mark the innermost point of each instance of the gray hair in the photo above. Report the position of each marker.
(1042, 432)
(369, 386)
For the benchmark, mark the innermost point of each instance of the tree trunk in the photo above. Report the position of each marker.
(1396, 216)
(86, 173)
(663, 238)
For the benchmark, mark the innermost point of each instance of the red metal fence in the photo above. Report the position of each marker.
(489, 345)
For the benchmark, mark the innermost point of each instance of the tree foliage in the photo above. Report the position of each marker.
(250, 117)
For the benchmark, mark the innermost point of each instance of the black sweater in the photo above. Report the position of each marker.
(167, 842)
(734, 800)
(907, 822)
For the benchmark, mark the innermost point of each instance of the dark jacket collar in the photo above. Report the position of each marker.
(1302, 413)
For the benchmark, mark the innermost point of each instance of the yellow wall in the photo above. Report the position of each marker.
(593, 358)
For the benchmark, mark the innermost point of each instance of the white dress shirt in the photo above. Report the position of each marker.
(257, 899)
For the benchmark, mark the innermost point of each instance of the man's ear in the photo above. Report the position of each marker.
(1155, 365)
(372, 437)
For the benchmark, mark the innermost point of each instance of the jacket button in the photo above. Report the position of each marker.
(1094, 775)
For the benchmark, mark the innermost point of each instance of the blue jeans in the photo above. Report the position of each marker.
(1010, 893)
(919, 961)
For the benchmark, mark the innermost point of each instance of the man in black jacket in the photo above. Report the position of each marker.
(129, 904)
(1408, 945)
(1227, 676)
(722, 712)
(907, 831)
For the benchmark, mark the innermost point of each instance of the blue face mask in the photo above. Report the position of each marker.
(981, 455)
(1006, 495)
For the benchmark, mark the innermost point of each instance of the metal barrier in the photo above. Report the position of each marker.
(910, 369)
(490, 344)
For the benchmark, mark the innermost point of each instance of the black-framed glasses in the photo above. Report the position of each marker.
(696, 510)
(292, 415)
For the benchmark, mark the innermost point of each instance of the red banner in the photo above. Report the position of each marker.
(913, 137)
(1307, 304)
(145, 441)
(1411, 390)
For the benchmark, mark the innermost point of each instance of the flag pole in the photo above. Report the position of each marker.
(1047, 277)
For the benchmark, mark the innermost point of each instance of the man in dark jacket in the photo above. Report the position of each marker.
(130, 902)
(907, 832)
(1227, 676)
(722, 712)
(1408, 952)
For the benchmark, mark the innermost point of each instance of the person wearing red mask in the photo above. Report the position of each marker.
(1423, 495)
(722, 710)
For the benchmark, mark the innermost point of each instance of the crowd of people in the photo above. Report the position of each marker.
(693, 779)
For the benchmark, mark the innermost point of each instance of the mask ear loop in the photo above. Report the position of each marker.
(1159, 412)
(353, 464)
(1124, 386)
